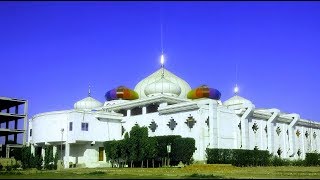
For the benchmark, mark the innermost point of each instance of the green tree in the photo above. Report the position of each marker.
(132, 150)
(38, 161)
(135, 144)
(48, 158)
(17, 154)
(107, 147)
(162, 142)
(151, 148)
(124, 148)
(113, 152)
(182, 150)
(26, 157)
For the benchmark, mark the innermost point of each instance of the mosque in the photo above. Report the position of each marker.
(167, 105)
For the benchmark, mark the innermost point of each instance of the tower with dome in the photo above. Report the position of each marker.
(164, 102)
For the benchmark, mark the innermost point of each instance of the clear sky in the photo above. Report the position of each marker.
(51, 51)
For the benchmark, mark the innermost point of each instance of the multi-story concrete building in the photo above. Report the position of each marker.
(13, 123)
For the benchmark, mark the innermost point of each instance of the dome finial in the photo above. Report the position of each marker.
(162, 73)
(89, 91)
(162, 60)
(162, 65)
(236, 90)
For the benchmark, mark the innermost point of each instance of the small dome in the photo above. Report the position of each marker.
(162, 86)
(87, 103)
(204, 92)
(236, 100)
(121, 92)
(156, 76)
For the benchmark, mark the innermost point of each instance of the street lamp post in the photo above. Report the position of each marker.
(61, 143)
(168, 150)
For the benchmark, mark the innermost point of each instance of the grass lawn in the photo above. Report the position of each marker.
(212, 171)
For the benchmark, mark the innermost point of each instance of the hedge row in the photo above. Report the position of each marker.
(238, 157)
(241, 157)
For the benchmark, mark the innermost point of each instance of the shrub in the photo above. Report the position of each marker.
(1, 166)
(277, 161)
(219, 156)
(38, 162)
(17, 154)
(298, 162)
(312, 159)
(15, 166)
(8, 167)
(238, 157)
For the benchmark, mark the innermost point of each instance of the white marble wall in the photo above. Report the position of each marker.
(222, 132)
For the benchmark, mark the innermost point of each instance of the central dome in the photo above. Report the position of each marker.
(171, 83)
(162, 86)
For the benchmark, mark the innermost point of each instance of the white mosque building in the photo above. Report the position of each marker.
(167, 105)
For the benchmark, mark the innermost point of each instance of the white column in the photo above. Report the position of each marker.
(284, 142)
(54, 150)
(245, 126)
(144, 110)
(303, 151)
(42, 151)
(270, 129)
(32, 148)
(7, 151)
(129, 112)
(66, 156)
(213, 129)
(295, 118)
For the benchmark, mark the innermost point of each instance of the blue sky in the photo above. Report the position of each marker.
(51, 51)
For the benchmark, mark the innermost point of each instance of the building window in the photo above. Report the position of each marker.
(70, 126)
(122, 130)
(30, 132)
(152, 108)
(84, 126)
(136, 111)
(123, 111)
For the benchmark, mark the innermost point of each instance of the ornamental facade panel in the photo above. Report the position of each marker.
(172, 124)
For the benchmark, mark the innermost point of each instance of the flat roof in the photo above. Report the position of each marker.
(6, 102)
